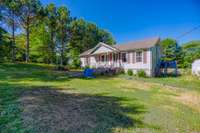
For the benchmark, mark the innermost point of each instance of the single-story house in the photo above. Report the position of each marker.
(137, 55)
(196, 67)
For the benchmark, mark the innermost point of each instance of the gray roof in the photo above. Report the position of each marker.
(87, 52)
(141, 44)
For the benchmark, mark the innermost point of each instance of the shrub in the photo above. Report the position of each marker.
(76, 63)
(120, 71)
(141, 73)
(86, 67)
(130, 72)
(62, 68)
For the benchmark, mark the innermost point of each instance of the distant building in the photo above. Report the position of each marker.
(196, 67)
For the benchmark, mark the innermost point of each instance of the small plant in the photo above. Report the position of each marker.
(141, 73)
(130, 72)
(120, 71)
(86, 67)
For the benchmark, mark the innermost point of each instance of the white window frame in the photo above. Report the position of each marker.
(141, 56)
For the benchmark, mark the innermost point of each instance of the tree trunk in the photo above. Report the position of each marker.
(27, 42)
(52, 48)
(62, 46)
(13, 40)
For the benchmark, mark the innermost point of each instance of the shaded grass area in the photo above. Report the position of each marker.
(35, 98)
(50, 110)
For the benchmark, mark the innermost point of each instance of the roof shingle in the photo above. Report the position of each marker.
(142, 44)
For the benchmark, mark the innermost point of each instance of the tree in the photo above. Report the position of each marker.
(51, 16)
(106, 37)
(4, 46)
(29, 10)
(63, 23)
(84, 36)
(190, 52)
(10, 16)
(170, 49)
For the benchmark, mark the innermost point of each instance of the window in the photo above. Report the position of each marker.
(124, 59)
(139, 56)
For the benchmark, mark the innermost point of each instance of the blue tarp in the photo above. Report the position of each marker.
(88, 73)
(168, 64)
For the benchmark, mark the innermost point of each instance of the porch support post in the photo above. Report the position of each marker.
(112, 59)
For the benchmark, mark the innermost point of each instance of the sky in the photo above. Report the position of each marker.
(130, 20)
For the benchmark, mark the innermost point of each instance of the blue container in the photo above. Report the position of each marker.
(88, 73)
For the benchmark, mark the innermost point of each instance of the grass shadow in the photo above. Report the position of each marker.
(50, 110)
(42, 109)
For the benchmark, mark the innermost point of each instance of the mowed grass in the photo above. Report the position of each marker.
(35, 98)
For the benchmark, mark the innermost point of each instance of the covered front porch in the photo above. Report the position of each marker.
(107, 60)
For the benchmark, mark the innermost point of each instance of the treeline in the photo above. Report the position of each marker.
(32, 32)
(184, 54)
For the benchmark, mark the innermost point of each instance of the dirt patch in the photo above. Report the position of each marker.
(50, 111)
(190, 99)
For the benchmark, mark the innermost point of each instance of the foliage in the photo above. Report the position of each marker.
(191, 52)
(84, 36)
(62, 68)
(141, 73)
(130, 72)
(170, 49)
(51, 25)
(10, 17)
(5, 48)
(29, 10)
(48, 34)
(63, 33)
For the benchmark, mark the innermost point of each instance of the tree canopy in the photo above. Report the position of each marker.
(191, 52)
(169, 49)
(47, 34)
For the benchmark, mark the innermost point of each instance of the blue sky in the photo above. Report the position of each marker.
(131, 20)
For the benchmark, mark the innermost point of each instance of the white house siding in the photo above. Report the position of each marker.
(93, 62)
(196, 68)
(83, 63)
(102, 49)
(152, 60)
(135, 66)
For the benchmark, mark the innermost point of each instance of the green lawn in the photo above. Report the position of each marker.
(35, 98)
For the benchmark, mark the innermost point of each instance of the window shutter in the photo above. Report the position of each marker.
(133, 57)
(145, 56)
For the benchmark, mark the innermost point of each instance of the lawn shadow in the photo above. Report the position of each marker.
(51, 110)
(31, 72)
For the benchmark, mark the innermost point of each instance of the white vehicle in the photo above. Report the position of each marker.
(196, 67)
